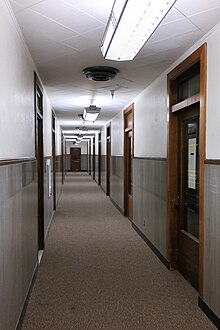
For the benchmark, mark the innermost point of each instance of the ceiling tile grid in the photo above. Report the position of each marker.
(64, 36)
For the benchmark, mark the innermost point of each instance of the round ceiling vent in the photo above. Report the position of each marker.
(100, 73)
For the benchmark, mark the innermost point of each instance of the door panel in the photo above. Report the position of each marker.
(108, 165)
(188, 215)
(129, 161)
(75, 159)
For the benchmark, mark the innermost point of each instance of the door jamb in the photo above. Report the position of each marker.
(108, 136)
(40, 160)
(127, 111)
(172, 169)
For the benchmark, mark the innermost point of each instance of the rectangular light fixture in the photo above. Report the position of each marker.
(91, 113)
(130, 25)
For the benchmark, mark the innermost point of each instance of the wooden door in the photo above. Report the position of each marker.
(93, 159)
(40, 160)
(188, 205)
(108, 173)
(99, 159)
(75, 159)
(54, 159)
(128, 162)
(129, 176)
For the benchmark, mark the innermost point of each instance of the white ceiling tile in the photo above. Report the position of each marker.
(79, 42)
(64, 37)
(27, 3)
(163, 45)
(207, 19)
(173, 15)
(36, 23)
(189, 7)
(56, 12)
(188, 39)
(16, 7)
(165, 31)
(80, 22)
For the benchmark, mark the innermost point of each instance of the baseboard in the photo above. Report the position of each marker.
(103, 189)
(22, 315)
(117, 207)
(152, 247)
(209, 313)
(48, 228)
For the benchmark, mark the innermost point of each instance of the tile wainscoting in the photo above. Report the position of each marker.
(18, 237)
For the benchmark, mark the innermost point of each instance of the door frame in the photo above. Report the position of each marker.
(39, 152)
(94, 156)
(90, 165)
(71, 158)
(200, 55)
(99, 158)
(129, 110)
(53, 124)
(108, 171)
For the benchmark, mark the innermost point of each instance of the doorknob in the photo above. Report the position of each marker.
(177, 203)
(185, 204)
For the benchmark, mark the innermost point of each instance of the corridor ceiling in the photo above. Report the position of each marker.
(64, 37)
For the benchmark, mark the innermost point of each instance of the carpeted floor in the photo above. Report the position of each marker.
(97, 273)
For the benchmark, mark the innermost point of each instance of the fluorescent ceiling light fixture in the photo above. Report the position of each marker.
(91, 113)
(130, 25)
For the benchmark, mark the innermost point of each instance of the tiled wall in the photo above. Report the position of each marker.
(48, 198)
(117, 181)
(212, 238)
(103, 172)
(18, 238)
(58, 176)
(149, 200)
(97, 168)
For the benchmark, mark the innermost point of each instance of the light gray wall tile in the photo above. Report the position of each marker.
(18, 239)
(117, 180)
(103, 172)
(212, 238)
(149, 197)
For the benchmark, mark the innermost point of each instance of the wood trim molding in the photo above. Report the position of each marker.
(186, 103)
(199, 56)
(4, 162)
(152, 158)
(151, 246)
(212, 161)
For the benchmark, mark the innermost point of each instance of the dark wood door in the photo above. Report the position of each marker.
(40, 159)
(75, 159)
(108, 173)
(188, 205)
(99, 160)
(128, 161)
(129, 175)
(93, 158)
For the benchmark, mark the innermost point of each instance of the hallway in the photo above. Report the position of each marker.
(97, 273)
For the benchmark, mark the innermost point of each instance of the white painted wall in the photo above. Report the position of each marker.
(47, 126)
(17, 134)
(117, 135)
(213, 89)
(150, 109)
(103, 139)
(82, 145)
(58, 137)
(150, 121)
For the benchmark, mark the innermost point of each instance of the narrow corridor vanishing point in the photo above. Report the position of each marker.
(97, 273)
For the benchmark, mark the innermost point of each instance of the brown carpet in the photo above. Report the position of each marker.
(97, 273)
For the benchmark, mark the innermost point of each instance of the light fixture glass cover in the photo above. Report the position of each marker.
(91, 113)
(130, 25)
